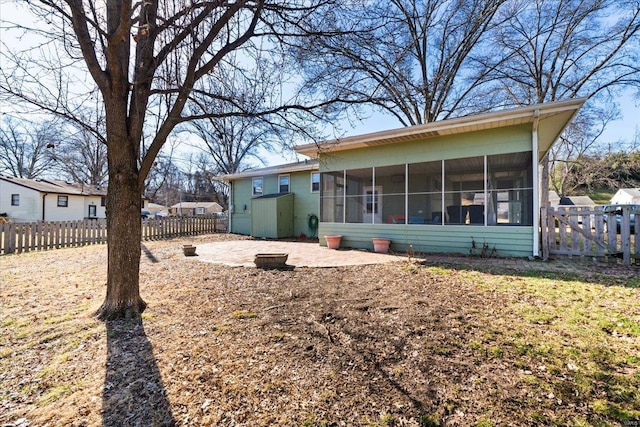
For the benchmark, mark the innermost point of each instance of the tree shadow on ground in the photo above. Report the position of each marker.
(133, 394)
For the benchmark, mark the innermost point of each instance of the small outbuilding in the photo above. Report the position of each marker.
(278, 201)
(626, 196)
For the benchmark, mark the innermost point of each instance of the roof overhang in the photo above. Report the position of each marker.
(551, 119)
(308, 165)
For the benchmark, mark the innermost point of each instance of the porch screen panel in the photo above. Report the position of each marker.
(332, 196)
(425, 193)
(360, 203)
(464, 190)
(391, 182)
(510, 185)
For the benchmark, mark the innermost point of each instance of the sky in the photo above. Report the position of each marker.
(624, 129)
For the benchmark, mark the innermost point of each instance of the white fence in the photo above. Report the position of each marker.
(45, 235)
(592, 232)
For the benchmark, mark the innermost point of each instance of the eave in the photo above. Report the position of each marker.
(552, 118)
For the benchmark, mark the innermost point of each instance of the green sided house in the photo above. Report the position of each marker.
(441, 187)
(275, 202)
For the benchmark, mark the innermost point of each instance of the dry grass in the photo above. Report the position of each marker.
(397, 344)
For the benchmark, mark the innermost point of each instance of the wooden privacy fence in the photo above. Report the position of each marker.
(44, 235)
(611, 233)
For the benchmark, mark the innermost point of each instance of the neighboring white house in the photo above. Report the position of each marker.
(155, 209)
(626, 196)
(24, 200)
(195, 208)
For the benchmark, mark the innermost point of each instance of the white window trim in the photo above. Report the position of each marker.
(65, 205)
(288, 182)
(311, 182)
(253, 187)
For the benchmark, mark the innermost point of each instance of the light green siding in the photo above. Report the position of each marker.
(508, 240)
(511, 139)
(241, 202)
(273, 216)
(511, 241)
(305, 203)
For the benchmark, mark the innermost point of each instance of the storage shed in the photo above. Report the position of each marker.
(273, 216)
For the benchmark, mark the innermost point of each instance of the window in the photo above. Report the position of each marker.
(63, 201)
(424, 198)
(390, 182)
(103, 201)
(464, 190)
(332, 197)
(92, 211)
(200, 211)
(15, 200)
(473, 191)
(257, 186)
(510, 189)
(315, 181)
(361, 201)
(283, 183)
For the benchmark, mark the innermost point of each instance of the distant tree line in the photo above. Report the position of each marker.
(600, 171)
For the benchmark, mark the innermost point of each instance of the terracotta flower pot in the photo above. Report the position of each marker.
(381, 245)
(333, 242)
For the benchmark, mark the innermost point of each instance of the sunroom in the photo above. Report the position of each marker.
(459, 185)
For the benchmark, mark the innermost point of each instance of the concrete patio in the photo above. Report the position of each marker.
(241, 253)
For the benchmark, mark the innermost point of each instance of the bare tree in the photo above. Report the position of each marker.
(83, 157)
(574, 149)
(412, 58)
(557, 49)
(26, 148)
(146, 59)
(230, 140)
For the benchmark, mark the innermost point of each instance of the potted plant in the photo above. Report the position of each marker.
(381, 245)
(333, 242)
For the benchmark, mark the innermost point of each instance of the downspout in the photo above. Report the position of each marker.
(536, 184)
(232, 204)
(43, 203)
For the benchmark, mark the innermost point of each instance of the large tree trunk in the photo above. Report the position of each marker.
(123, 228)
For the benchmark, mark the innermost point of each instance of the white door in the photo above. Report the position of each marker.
(372, 205)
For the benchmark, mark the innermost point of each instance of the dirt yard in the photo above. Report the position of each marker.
(459, 342)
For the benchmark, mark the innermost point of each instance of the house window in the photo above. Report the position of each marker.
(424, 198)
(510, 189)
(332, 197)
(315, 181)
(63, 201)
(257, 186)
(103, 201)
(464, 190)
(482, 190)
(361, 197)
(200, 211)
(15, 200)
(283, 183)
(92, 211)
